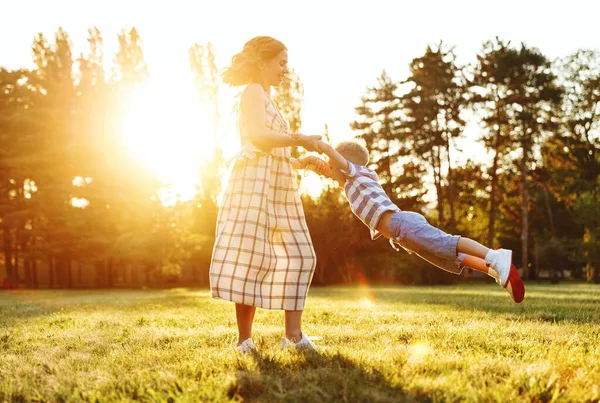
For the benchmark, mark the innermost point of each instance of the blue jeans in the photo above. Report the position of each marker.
(413, 233)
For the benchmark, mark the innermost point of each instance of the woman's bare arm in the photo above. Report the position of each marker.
(337, 159)
(252, 104)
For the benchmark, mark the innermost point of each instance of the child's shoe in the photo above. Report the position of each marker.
(500, 260)
(514, 285)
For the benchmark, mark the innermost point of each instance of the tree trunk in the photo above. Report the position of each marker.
(60, 270)
(69, 268)
(27, 272)
(594, 176)
(493, 201)
(34, 279)
(109, 272)
(524, 215)
(99, 265)
(134, 274)
(391, 192)
(10, 276)
(17, 264)
(50, 272)
(148, 268)
(549, 209)
(553, 268)
(438, 187)
(450, 188)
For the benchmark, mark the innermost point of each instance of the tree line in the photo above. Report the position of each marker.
(77, 211)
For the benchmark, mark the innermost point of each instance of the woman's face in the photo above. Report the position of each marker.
(276, 69)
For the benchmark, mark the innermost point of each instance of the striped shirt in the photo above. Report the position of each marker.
(367, 198)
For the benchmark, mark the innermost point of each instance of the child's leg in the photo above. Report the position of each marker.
(514, 285)
(472, 248)
(499, 260)
(414, 233)
(478, 264)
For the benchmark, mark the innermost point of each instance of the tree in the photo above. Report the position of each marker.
(18, 141)
(289, 97)
(489, 92)
(533, 96)
(206, 77)
(433, 108)
(573, 155)
(205, 210)
(54, 79)
(130, 66)
(379, 125)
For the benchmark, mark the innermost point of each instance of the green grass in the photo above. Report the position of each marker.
(458, 343)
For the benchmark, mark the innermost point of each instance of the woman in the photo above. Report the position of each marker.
(263, 254)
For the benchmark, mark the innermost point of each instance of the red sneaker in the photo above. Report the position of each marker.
(514, 285)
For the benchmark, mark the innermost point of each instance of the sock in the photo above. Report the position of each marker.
(490, 257)
(478, 264)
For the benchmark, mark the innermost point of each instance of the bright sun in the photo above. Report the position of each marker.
(172, 134)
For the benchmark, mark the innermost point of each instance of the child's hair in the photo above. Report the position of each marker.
(354, 152)
(246, 66)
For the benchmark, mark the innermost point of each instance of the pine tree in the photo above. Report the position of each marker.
(433, 107)
(379, 125)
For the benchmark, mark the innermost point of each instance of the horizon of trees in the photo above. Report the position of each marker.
(77, 211)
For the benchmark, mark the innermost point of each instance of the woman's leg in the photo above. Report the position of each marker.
(293, 325)
(245, 318)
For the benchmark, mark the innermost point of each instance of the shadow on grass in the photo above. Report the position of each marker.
(17, 306)
(542, 303)
(310, 377)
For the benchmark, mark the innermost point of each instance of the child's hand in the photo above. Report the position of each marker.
(317, 165)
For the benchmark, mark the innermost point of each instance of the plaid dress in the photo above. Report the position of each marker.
(263, 254)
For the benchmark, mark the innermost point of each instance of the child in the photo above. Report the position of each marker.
(368, 201)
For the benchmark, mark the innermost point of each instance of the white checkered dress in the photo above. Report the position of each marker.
(367, 198)
(263, 254)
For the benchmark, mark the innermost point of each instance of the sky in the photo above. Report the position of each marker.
(337, 48)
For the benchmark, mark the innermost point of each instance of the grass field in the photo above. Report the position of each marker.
(467, 343)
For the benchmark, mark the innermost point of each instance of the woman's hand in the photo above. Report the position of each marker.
(316, 165)
(310, 143)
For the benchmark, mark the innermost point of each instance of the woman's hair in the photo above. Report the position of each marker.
(354, 152)
(246, 66)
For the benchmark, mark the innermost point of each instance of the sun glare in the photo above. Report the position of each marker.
(367, 303)
(418, 352)
(170, 132)
(311, 184)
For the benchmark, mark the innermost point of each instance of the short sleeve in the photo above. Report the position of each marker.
(352, 170)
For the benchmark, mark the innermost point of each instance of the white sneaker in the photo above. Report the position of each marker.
(303, 344)
(500, 260)
(246, 346)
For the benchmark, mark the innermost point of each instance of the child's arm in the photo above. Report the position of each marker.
(336, 158)
(296, 164)
(316, 164)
